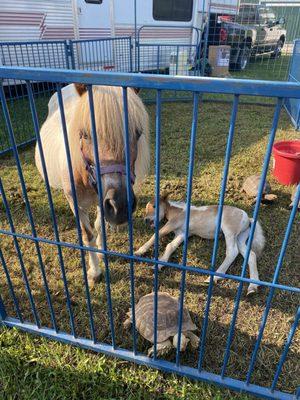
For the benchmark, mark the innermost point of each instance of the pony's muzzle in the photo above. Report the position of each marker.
(116, 206)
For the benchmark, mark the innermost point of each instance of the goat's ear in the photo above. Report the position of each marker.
(80, 88)
(136, 89)
(164, 196)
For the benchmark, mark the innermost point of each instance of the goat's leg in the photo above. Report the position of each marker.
(165, 230)
(171, 247)
(252, 261)
(89, 240)
(232, 252)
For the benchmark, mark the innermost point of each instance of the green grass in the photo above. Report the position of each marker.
(264, 67)
(21, 120)
(35, 368)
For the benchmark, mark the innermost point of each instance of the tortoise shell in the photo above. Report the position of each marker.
(251, 185)
(167, 317)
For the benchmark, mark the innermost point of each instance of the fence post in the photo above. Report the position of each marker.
(137, 56)
(130, 54)
(70, 53)
(67, 53)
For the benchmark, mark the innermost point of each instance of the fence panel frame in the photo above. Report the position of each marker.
(279, 90)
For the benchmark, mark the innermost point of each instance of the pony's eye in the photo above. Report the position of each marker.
(153, 205)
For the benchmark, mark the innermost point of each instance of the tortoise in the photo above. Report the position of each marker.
(167, 323)
(251, 185)
(293, 196)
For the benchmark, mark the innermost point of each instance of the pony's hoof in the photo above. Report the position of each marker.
(94, 279)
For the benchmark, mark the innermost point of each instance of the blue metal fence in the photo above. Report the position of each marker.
(159, 83)
(110, 54)
(105, 54)
(293, 105)
(169, 56)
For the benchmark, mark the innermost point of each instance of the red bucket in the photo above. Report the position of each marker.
(286, 165)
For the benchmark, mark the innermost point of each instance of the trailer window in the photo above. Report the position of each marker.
(94, 1)
(247, 14)
(172, 10)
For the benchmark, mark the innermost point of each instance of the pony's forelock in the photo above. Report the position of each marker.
(108, 105)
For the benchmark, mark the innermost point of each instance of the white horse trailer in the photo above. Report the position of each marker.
(151, 21)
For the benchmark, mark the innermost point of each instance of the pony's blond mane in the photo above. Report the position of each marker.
(108, 105)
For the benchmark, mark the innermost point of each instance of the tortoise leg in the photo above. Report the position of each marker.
(161, 348)
(183, 341)
(268, 198)
(194, 339)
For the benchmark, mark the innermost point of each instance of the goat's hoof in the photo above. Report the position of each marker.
(207, 281)
(251, 291)
(139, 252)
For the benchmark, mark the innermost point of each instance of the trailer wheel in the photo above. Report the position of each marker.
(278, 49)
(243, 59)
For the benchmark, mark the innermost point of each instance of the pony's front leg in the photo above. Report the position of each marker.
(89, 240)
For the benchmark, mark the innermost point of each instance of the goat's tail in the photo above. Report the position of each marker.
(258, 242)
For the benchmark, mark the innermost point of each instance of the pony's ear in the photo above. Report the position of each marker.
(136, 89)
(164, 196)
(80, 88)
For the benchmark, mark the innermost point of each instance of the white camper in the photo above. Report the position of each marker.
(152, 21)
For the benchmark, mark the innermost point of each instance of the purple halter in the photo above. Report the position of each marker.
(105, 169)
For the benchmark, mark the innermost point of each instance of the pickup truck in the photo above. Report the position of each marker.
(253, 31)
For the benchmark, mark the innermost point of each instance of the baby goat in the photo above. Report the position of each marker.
(235, 226)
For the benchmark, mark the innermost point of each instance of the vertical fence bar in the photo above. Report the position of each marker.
(100, 205)
(129, 209)
(286, 349)
(76, 210)
(136, 39)
(137, 56)
(206, 37)
(20, 257)
(177, 60)
(9, 282)
(187, 218)
(72, 55)
(67, 48)
(51, 205)
(275, 278)
(218, 227)
(28, 208)
(157, 196)
(3, 313)
(252, 230)
(130, 55)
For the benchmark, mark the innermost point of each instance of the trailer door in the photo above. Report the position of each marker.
(93, 19)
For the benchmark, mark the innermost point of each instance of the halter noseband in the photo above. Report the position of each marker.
(105, 169)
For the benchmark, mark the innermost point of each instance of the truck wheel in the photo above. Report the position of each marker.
(278, 49)
(243, 59)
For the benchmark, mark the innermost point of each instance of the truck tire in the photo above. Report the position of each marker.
(278, 49)
(243, 59)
